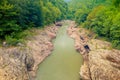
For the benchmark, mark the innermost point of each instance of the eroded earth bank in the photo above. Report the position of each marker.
(101, 61)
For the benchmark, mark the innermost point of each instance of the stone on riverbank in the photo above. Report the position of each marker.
(21, 63)
(101, 62)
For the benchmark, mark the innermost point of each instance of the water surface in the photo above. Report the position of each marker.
(64, 62)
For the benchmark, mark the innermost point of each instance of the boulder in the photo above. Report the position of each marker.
(15, 63)
(100, 60)
(103, 62)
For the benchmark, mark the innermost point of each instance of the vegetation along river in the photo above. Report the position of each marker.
(64, 62)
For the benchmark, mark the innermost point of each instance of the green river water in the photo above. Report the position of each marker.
(64, 62)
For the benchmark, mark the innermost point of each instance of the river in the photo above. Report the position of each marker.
(64, 62)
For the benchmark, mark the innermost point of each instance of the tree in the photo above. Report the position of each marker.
(8, 24)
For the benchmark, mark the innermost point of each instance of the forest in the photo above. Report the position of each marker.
(100, 16)
(17, 16)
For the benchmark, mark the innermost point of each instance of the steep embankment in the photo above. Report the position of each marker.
(21, 63)
(101, 62)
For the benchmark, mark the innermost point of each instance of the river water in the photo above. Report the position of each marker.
(64, 62)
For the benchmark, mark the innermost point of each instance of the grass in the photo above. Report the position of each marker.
(19, 38)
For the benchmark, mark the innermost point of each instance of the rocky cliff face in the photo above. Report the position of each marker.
(101, 62)
(21, 63)
(14, 63)
(104, 62)
(41, 46)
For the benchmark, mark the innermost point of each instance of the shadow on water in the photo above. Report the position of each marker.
(64, 62)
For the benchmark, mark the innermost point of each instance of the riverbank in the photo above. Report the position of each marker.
(21, 63)
(101, 61)
(64, 62)
(41, 46)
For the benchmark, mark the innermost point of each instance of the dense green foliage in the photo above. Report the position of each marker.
(100, 16)
(19, 15)
(105, 21)
(79, 9)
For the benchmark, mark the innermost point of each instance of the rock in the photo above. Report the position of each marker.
(100, 61)
(85, 75)
(51, 35)
(12, 64)
(20, 44)
(58, 24)
(41, 46)
(21, 62)
(104, 63)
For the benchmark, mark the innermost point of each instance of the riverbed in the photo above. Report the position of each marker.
(64, 62)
